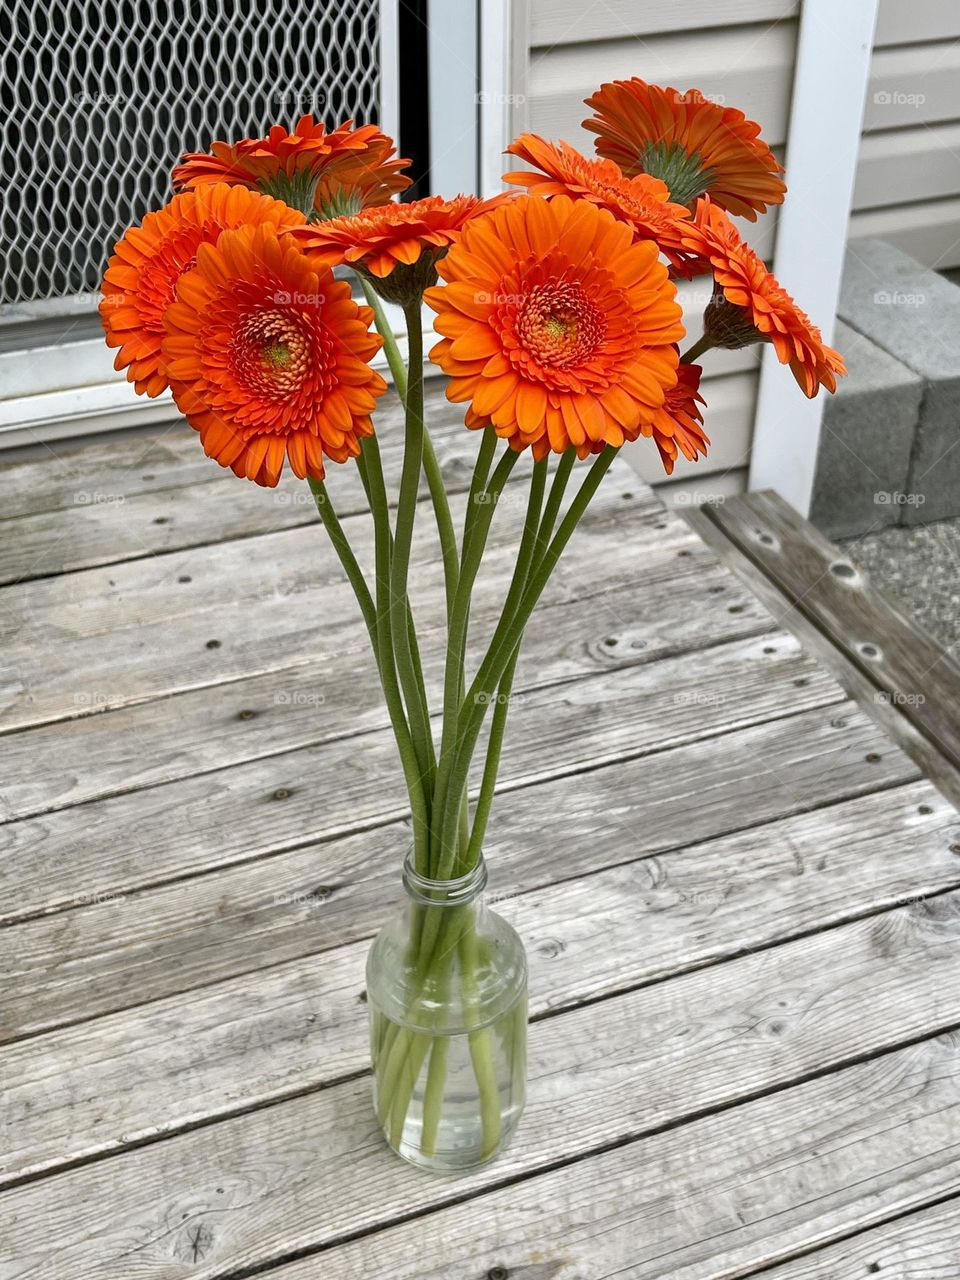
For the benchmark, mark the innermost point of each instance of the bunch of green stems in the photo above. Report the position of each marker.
(446, 841)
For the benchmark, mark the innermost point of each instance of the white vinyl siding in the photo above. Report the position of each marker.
(747, 62)
(908, 176)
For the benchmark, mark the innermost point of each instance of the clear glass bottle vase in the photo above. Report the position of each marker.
(447, 996)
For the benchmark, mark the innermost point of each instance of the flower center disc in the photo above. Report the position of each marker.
(271, 353)
(559, 325)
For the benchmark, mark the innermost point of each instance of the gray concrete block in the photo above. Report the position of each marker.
(866, 440)
(914, 314)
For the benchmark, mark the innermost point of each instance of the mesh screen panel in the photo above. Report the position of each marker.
(101, 99)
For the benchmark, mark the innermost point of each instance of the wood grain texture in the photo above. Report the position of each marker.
(140, 497)
(83, 642)
(125, 950)
(299, 1026)
(920, 1246)
(901, 660)
(310, 1171)
(741, 902)
(129, 842)
(210, 728)
(717, 1199)
(147, 461)
(651, 709)
(833, 652)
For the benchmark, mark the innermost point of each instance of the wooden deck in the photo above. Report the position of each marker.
(727, 834)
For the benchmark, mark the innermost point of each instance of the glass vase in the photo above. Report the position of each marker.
(447, 996)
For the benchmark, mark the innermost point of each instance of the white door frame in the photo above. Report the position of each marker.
(454, 82)
(475, 47)
(826, 117)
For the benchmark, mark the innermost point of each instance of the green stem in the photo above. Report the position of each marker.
(498, 655)
(411, 679)
(433, 1094)
(431, 467)
(395, 1078)
(388, 671)
(348, 560)
(371, 450)
(441, 507)
(481, 472)
(478, 482)
(391, 348)
(699, 347)
(444, 847)
(555, 498)
(481, 1048)
(531, 552)
(525, 556)
(491, 766)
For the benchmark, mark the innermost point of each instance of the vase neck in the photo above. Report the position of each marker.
(444, 893)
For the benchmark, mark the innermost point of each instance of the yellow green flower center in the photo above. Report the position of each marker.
(271, 352)
(559, 325)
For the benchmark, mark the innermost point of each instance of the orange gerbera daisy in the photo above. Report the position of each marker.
(693, 144)
(355, 180)
(749, 305)
(141, 278)
(557, 326)
(677, 426)
(306, 166)
(380, 240)
(642, 202)
(268, 357)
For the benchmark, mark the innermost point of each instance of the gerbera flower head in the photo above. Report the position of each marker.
(358, 179)
(268, 357)
(397, 246)
(558, 328)
(695, 145)
(749, 305)
(306, 166)
(141, 278)
(642, 202)
(677, 426)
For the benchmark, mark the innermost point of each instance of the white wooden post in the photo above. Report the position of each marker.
(503, 42)
(830, 84)
(454, 87)
(389, 113)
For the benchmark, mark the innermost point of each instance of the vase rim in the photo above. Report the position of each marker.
(456, 889)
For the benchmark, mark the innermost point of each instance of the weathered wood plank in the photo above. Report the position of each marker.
(108, 512)
(294, 1026)
(902, 660)
(126, 950)
(877, 704)
(145, 462)
(715, 1200)
(150, 837)
(921, 1246)
(133, 631)
(149, 462)
(311, 1171)
(209, 728)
